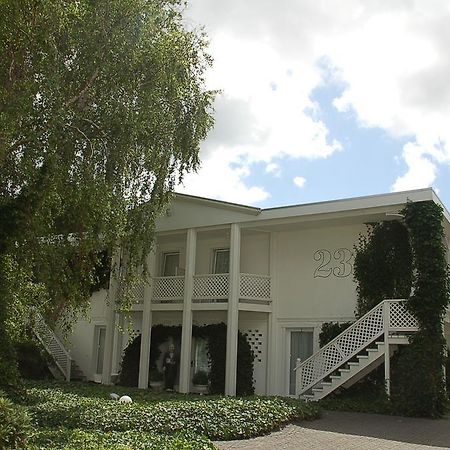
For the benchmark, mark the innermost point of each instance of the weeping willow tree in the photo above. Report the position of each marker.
(102, 110)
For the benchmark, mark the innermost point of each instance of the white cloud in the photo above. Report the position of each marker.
(392, 58)
(421, 171)
(299, 181)
(274, 169)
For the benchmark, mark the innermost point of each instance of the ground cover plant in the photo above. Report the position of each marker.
(66, 415)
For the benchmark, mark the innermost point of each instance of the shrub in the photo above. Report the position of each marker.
(200, 378)
(330, 330)
(32, 361)
(222, 418)
(14, 425)
(101, 440)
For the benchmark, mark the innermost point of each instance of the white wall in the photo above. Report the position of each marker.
(81, 341)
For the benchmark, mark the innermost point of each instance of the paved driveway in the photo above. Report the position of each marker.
(347, 431)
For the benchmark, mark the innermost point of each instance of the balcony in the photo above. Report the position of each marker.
(212, 288)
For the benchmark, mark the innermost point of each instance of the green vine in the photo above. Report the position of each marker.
(418, 380)
(216, 335)
(383, 265)
(408, 260)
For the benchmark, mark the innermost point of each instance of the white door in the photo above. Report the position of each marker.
(100, 348)
(300, 342)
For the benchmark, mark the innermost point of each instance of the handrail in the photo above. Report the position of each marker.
(318, 365)
(40, 328)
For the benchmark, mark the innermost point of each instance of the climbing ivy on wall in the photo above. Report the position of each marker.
(383, 265)
(215, 335)
(418, 384)
(408, 260)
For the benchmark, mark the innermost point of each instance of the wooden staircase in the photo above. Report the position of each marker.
(64, 366)
(366, 344)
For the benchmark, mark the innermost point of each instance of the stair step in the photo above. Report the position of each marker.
(317, 389)
(363, 357)
(344, 370)
(370, 350)
(353, 363)
(327, 383)
(335, 377)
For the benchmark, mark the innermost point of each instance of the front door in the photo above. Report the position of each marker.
(300, 346)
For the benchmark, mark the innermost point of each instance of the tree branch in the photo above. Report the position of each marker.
(89, 83)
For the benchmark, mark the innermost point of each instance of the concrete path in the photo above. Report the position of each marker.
(348, 431)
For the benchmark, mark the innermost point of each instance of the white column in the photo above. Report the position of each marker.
(117, 344)
(111, 318)
(186, 331)
(146, 331)
(233, 311)
(272, 364)
(387, 353)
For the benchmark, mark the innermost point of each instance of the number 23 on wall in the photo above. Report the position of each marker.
(340, 267)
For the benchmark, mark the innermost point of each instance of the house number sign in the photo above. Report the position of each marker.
(337, 263)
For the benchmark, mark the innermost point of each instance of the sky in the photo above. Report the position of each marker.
(324, 99)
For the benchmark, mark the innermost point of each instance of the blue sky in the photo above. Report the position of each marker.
(316, 103)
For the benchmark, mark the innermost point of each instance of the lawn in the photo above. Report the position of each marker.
(82, 416)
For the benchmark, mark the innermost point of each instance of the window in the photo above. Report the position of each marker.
(171, 264)
(222, 260)
(201, 356)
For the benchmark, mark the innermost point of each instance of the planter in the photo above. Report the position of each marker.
(201, 388)
(157, 386)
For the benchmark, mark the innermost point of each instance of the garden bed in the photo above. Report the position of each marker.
(82, 416)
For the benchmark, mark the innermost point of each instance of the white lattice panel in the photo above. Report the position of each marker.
(168, 289)
(400, 317)
(353, 340)
(339, 350)
(134, 292)
(254, 287)
(211, 286)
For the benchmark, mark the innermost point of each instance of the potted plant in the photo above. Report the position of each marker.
(156, 379)
(200, 382)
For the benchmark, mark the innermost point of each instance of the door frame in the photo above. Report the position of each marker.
(311, 328)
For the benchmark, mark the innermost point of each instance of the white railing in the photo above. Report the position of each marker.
(168, 289)
(133, 292)
(254, 287)
(51, 343)
(212, 286)
(389, 316)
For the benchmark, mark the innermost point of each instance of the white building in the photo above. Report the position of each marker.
(276, 274)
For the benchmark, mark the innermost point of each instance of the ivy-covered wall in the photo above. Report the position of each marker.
(407, 259)
(215, 335)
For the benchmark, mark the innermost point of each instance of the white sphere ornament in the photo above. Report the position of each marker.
(113, 396)
(125, 399)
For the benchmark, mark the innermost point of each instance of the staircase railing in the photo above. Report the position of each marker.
(387, 316)
(51, 343)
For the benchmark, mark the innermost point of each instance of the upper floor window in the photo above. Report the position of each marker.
(221, 260)
(171, 264)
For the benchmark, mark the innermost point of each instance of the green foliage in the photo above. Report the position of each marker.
(32, 360)
(419, 389)
(330, 330)
(409, 261)
(200, 378)
(383, 263)
(79, 439)
(216, 336)
(14, 425)
(105, 107)
(222, 418)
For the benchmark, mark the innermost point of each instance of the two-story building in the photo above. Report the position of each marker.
(276, 274)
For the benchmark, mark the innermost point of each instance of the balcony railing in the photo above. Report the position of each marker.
(211, 288)
(168, 289)
(207, 288)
